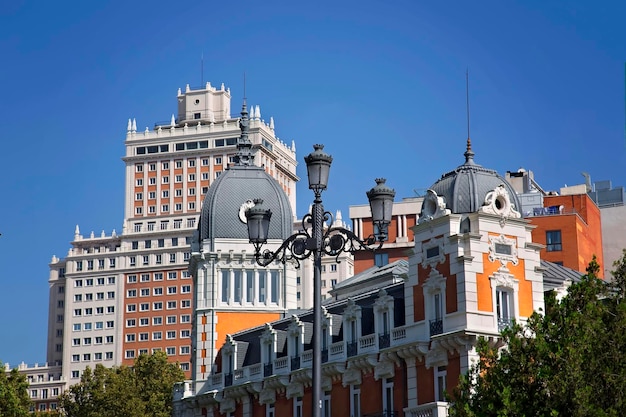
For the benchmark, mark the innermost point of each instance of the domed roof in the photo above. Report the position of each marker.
(465, 188)
(223, 209)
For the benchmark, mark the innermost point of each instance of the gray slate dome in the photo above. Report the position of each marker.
(223, 209)
(465, 188)
(220, 216)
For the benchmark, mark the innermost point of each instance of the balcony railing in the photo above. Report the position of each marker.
(324, 355)
(268, 369)
(504, 322)
(436, 327)
(436, 409)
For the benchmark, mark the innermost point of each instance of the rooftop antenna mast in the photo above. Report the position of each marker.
(202, 69)
(467, 102)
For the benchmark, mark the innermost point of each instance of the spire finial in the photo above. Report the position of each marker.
(469, 154)
(244, 146)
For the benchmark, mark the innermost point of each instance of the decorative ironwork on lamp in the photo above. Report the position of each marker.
(318, 240)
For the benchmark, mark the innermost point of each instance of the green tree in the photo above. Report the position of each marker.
(14, 401)
(569, 362)
(143, 390)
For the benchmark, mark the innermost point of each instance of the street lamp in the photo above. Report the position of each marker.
(331, 241)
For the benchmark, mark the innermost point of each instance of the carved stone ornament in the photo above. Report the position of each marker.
(248, 204)
(433, 207)
(351, 377)
(227, 406)
(435, 283)
(504, 279)
(267, 396)
(352, 311)
(295, 389)
(498, 202)
(503, 249)
(384, 369)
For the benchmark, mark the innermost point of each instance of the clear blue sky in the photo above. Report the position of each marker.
(380, 83)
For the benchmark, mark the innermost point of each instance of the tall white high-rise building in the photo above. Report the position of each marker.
(115, 296)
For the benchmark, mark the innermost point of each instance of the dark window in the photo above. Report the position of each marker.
(180, 146)
(503, 249)
(141, 150)
(432, 252)
(192, 145)
(196, 116)
(153, 149)
(553, 241)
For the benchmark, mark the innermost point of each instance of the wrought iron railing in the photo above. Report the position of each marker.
(436, 327)
(228, 380)
(324, 355)
(268, 369)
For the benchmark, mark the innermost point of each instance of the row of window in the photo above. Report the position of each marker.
(157, 335)
(170, 305)
(147, 244)
(158, 276)
(145, 292)
(88, 282)
(178, 178)
(158, 259)
(90, 265)
(110, 295)
(178, 164)
(258, 286)
(35, 394)
(78, 312)
(164, 225)
(166, 208)
(157, 321)
(97, 325)
(86, 341)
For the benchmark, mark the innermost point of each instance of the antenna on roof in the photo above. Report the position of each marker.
(244, 86)
(467, 101)
(202, 69)
(469, 154)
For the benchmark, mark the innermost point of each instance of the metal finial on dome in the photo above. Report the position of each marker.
(244, 146)
(469, 154)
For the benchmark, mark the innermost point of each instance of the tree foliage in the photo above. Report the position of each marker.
(143, 390)
(14, 399)
(569, 362)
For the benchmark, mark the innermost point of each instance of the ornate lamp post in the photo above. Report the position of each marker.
(332, 241)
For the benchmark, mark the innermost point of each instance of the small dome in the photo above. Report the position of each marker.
(465, 188)
(232, 193)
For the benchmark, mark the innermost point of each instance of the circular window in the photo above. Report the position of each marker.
(500, 203)
(197, 101)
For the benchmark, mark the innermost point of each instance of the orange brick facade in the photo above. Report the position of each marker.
(577, 218)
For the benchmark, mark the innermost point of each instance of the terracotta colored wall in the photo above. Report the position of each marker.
(365, 259)
(425, 384)
(451, 290)
(232, 322)
(581, 236)
(339, 400)
(483, 283)
(453, 373)
(371, 394)
(284, 406)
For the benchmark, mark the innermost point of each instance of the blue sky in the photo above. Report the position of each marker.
(380, 83)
